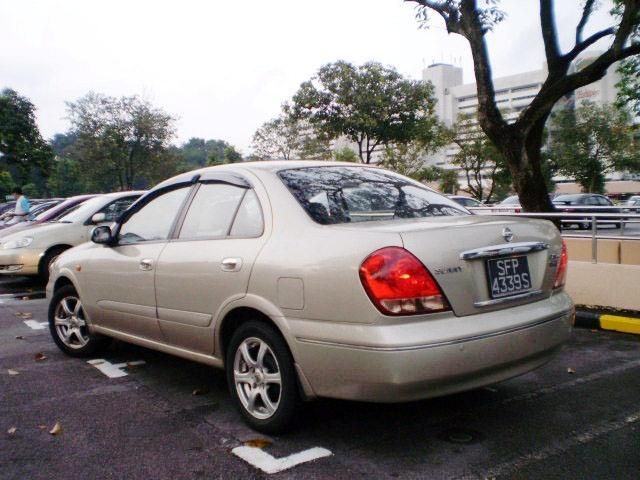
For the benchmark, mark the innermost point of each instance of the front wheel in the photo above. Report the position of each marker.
(262, 378)
(68, 325)
(47, 260)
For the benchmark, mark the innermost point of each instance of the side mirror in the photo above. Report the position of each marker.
(98, 218)
(101, 235)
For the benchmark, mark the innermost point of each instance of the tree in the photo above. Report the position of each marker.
(593, 140)
(628, 88)
(449, 181)
(372, 105)
(628, 95)
(287, 137)
(66, 178)
(229, 155)
(520, 142)
(483, 165)
(196, 151)
(6, 184)
(121, 142)
(345, 154)
(22, 149)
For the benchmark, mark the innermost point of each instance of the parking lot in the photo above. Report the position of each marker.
(135, 413)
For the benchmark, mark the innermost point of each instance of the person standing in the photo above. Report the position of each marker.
(23, 207)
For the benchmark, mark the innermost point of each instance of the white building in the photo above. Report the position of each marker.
(513, 93)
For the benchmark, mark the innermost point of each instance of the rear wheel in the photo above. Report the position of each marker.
(585, 225)
(68, 325)
(261, 377)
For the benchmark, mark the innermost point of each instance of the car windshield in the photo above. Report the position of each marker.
(59, 210)
(567, 199)
(512, 200)
(334, 195)
(81, 212)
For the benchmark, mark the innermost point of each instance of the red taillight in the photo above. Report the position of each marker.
(399, 284)
(561, 271)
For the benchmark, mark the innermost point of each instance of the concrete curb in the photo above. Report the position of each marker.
(606, 321)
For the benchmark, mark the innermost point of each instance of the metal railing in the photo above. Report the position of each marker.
(623, 217)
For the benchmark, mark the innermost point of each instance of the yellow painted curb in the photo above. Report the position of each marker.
(620, 324)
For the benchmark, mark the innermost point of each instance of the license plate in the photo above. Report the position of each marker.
(508, 276)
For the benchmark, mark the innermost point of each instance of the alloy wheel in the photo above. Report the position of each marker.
(257, 378)
(70, 324)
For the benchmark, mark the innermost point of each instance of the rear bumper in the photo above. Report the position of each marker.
(429, 366)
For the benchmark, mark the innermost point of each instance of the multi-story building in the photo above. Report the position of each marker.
(513, 93)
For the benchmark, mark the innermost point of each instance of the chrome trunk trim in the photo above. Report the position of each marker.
(503, 249)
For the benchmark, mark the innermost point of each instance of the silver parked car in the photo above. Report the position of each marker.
(31, 251)
(317, 279)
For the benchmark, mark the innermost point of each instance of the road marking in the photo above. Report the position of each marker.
(36, 325)
(113, 370)
(269, 464)
(507, 469)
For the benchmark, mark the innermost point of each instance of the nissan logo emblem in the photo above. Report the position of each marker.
(507, 234)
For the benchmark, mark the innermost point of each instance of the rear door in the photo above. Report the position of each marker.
(209, 262)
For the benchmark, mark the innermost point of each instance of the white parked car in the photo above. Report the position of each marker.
(317, 279)
(31, 251)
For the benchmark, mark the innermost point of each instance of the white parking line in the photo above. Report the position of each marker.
(269, 464)
(36, 325)
(112, 370)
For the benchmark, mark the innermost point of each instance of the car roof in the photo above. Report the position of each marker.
(226, 171)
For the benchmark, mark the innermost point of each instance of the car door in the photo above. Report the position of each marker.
(122, 276)
(208, 263)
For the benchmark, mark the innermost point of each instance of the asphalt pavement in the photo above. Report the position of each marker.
(576, 417)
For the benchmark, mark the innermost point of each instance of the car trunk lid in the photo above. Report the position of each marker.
(468, 254)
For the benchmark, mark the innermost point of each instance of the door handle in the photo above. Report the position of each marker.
(231, 264)
(146, 264)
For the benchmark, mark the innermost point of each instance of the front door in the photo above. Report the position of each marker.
(122, 276)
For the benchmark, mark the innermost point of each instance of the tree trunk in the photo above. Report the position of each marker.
(522, 152)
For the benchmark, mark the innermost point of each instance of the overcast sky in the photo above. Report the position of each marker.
(225, 67)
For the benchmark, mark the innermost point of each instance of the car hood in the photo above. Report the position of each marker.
(36, 231)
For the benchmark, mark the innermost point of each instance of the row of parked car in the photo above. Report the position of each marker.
(569, 203)
(30, 247)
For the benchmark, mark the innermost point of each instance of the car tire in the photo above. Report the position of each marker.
(262, 378)
(46, 262)
(584, 226)
(68, 326)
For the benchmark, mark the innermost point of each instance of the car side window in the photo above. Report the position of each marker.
(211, 212)
(154, 220)
(603, 201)
(248, 221)
(114, 209)
(591, 201)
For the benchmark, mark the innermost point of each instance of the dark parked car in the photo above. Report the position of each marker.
(465, 201)
(37, 208)
(586, 203)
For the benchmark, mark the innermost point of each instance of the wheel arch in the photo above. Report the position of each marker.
(60, 247)
(63, 281)
(233, 319)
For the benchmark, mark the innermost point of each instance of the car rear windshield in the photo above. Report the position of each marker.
(334, 195)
